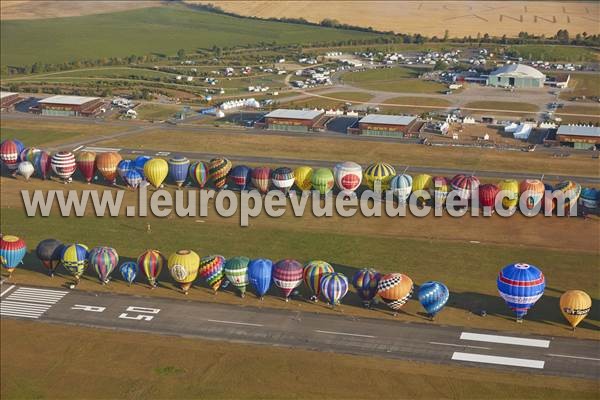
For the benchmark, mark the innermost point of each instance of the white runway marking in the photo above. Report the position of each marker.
(513, 362)
(505, 340)
(77, 148)
(233, 322)
(344, 334)
(101, 149)
(460, 345)
(577, 357)
(8, 289)
(29, 302)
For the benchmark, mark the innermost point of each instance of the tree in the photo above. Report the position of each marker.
(440, 66)
(446, 35)
(181, 54)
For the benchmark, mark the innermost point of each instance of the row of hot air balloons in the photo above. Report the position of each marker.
(521, 285)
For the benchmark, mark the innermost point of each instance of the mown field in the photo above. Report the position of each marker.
(554, 53)
(587, 85)
(503, 105)
(171, 367)
(400, 79)
(329, 100)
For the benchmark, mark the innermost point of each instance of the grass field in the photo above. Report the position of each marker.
(586, 110)
(151, 112)
(587, 85)
(503, 105)
(419, 101)
(150, 30)
(399, 79)
(329, 100)
(171, 367)
(36, 9)
(554, 53)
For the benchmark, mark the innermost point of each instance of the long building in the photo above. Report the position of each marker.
(517, 76)
(293, 120)
(70, 106)
(579, 136)
(384, 125)
(8, 100)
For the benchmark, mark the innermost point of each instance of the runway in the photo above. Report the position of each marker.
(306, 330)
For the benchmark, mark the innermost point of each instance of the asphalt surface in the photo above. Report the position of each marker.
(320, 332)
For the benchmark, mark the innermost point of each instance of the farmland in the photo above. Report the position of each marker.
(401, 80)
(581, 85)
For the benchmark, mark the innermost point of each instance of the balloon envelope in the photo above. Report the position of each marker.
(25, 169)
(521, 285)
(348, 176)
(236, 271)
(433, 296)
(533, 189)
(365, 281)
(129, 271)
(261, 177)
(178, 169)
(510, 186)
(107, 165)
(183, 266)
(43, 163)
(86, 164)
(322, 180)
(74, 258)
(589, 197)
(239, 177)
(218, 170)
(379, 173)
(487, 195)
(334, 287)
(260, 273)
(439, 189)
(422, 182)
(9, 154)
(12, 251)
(395, 289)
(283, 178)
(287, 276)
(211, 270)
(401, 186)
(104, 260)
(303, 177)
(575, 305)
(49, 252)
(465, 185)
(156, 171)
(151, 263)
(63, 164)
(313, 272)
(133, 178)
(570, 191)
(124, 166)
(140, 162)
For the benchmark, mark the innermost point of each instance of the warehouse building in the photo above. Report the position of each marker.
(293, 120)
(384, 125)
(8, 100)
(69, 106)
(517, 76)
(579, 136)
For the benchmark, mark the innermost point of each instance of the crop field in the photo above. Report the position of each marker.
(503, 105)
(580, 85)
(554, 53)
(37, 9)
(401, 80)
(460, 18)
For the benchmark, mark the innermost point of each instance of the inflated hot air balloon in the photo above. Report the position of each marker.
(589, 198)
(140, 163)
(199, 173)
(236, 271)
(465, 185)
(334, 287)
(218, 169)
(487, 196)
(261, 177)
(12, 251)
(401, 186)
(239, 177)
(395, 290)
(322, 180)
(155, 171)
(104, 260)
(43, 163)
(348, 177)
(86, 164)
(303, 177)
(74, 258)
(521, 285)
(29, 154)
(379, 172)
(20, 147)
(133, 178)
(183, 266)
(123, 167)
(422, 182)
(107, 165)
(151, 263)
(211, 270)
(575, 305)
(571, 191)
(549, 203)
(260, 273)
(283, 178)
(433, 296)
(287, 276)
(49, 251)
(312, 273)
(533, 189)
(439, 189)
(512, 187)
(178, 169)
(25, 169)
(365, 281)
(129, 271)
(64, 165)
(9, 154)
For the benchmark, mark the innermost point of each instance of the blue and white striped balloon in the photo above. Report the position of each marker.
(433, 296)
(401, 186)
(133, 178)
(521, 285)
(129, 271)
(334, 287)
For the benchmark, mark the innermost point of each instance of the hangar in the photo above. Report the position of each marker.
(293, 120)
(8, 100)
(383, 125)
(69, 106)
(579, 136)
(518, 76)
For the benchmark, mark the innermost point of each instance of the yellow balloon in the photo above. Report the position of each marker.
(422, 182)
(379, 172)
(575, 305)
(511, 186)
(303, 177)
(156, 171)
(183, 266)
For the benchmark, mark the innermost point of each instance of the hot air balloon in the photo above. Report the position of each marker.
(107, 165)
(183, 266)
(86, 164)
(9, 154)
(49, 251)
(303, 177)
(123, 167)
(379, 172)
(43, 163)
(151, 262)
(395, 290)
(260, 273)
(312, 273)
(487, 196)
(283, 179)
(439, 189)
(570, 191)
(465, 185)
(322, 180)
(575, 305)
(239, 177)
(29, 154)
(433, 296)
(129, 271)
(218, 169)
(64, 165)
(287, 276)
(178, 169)
(25, 169)
(211, 270)
(261, 177)
(133, 178)
(74, 258)
(401, 186)
(512, 187)
(549, 203)
(140, 163)
(365, 281)
(589, 198)
(348, 177)
(199, 173)
(12, 251)
(236, 271)
(422, 182)
(155, 171)
(533, 189)
(104, 260)
(334, 287)
(20, 147)
(521, 285)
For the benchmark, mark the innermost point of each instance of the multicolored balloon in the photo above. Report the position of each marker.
(240, 177)
(107, 165)
(9, 154)
(570, 191)
(211, 270)
(381, 173)
(25, 169)
(260, 273)
(322, 180)
(366, 281)
(348, 177)
(218, 170)
(433, 296)
(178, 169)
(43, 163)
(575, 305)
(236, 272)
(29, 154)
(199, 173)
(86, 164)
(74, 258)
(521, 285)
(287, 276)
(129, 271)
(133, 178)
(63, 164)
(104, 260)
(49, 252)
(534, 191)
(395, 289)
(261, 178)
(183, 266)
(465, 185)
(152, 263)
(283, 178)
(303, 178)
(155, 171)
(334, 287)
(312, 274)
(12, 251)
(401, 187)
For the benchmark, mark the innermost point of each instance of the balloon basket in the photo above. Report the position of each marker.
(243, 295)
(262, 298)
(287, 299)
(519, 320)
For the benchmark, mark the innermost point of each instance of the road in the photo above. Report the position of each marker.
(321, 332)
